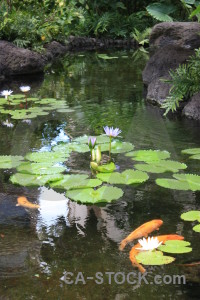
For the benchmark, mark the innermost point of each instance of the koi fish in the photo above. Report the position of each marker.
(161, 238)
(22, 201)
(141, 231)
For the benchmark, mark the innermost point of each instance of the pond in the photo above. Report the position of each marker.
(38, 247)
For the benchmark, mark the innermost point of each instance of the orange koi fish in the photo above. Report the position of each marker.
(22, 201)
(161, 238)
(141, 231)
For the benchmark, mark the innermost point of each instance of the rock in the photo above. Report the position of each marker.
(171, 44)
(192, 108)
(16, 61)
(55, 50)
(182, 34)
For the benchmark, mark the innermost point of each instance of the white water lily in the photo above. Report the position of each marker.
(25, 89)
(149, 244)
(6, 93)
(7, 123)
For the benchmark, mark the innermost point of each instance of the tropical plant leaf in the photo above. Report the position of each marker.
(103, 194)
(192, 215)
(154, 258)
(161, 11)
(47, 156)
(126, 177)
(161, 166)
(107, 168)
(175, 247)
(149, 155)
(40, 168)
(10, 161)
(34, 180)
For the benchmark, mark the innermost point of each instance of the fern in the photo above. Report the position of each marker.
(185, 82)
(141, 37)
(160, 11)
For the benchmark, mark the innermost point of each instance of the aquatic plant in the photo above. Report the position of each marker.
(161, 166)
(149, 244)
(126, 177)
(25, 90)
(195, 153)
(181, 182)
(111, 133)
(10, 161)
(193, 215)
(6, 94)
(149, 155)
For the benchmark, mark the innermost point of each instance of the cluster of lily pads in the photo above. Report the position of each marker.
(50, 167)
(20, 106)
(193, 215)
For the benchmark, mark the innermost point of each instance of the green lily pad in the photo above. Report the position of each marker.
(117, 147)
(103, 194)
(34, 180)
(175, 247)
(65, 110)
(148, 155)
(183, 182)
(69, 147)
(196, 228)
(101, 139)
(47, 156)
(76, 182)
(40, 168)
(161, 166)
(191, 151)
(196, 156)
(126, 177)
(107, 168)
(192, 215)
(154, 258)
(17, 96)
(10, 161)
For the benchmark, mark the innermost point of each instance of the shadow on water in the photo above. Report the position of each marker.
(38, 247)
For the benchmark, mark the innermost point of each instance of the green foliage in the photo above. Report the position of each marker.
(185, 81)
(193, 215)
(9, 161)
(161, 166)
(161, 11)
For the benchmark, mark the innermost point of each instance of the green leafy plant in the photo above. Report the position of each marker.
(181, 182)
(185, 81)
(193, 215)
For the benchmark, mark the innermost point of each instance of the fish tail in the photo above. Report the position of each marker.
(122, 245)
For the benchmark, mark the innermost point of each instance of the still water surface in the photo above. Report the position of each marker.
(38, 247)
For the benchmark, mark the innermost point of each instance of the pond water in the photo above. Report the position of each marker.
(38, 247)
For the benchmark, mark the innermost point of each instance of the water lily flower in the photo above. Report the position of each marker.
(149, 244)
(92, 142)
(27, 121)
(25, 89)
(8, 124)
(111, 132)
(6, 93)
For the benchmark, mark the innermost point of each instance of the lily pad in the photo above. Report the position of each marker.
(191, 151)
(103, 194)
(107, 168)
(100, 139)
(34, 180)
(10, 161)
(192, 215)
(40, 168)
(69, 147)
(183, 182)
(175, 247)
(76, 182)
(161, 166)
(196, 228)
(154, 258)
(106, 57)
(148, 155)
(117, 147)
(126, 177)
(47, 156)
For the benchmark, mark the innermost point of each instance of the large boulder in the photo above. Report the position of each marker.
(17, 61)
(192, 108)
(171, 44)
